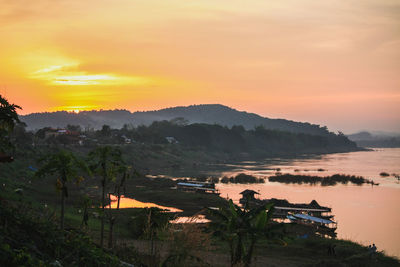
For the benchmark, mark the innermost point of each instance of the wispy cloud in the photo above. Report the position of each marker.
(256, 55)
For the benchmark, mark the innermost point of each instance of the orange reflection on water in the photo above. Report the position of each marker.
(126, 202)
(365, 214)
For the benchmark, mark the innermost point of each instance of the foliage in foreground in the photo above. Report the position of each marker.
(241, 228)
(32, 238)
(66, 166)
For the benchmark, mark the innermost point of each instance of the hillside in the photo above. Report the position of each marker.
(366, 139)
(210, 114)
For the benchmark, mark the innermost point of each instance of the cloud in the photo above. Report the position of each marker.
(153, 52)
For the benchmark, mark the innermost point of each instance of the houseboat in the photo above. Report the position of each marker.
(312, 213)
(198, 187)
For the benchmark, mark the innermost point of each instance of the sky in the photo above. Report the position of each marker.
(334, 63)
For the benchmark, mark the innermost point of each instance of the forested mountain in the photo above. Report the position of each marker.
(259, 141)
(210, 114)
(92, 119)
(226, 116)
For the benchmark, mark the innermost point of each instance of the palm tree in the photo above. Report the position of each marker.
(105, 162)
(8, 114)
(124, 172)
(66, 166)
(241, 228)
(8, 120)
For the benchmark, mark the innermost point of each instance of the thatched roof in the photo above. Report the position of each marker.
(314, 204)
(248, 192)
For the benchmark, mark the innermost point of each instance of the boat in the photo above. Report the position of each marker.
(199, 187)
(310, 214)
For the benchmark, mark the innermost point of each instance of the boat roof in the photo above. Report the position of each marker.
(284, 203)
(190, 184)
(300, 209)
(312, 218)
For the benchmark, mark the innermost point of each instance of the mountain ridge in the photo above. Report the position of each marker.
(203, 113)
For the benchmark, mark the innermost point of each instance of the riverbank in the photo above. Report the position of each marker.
(43, 193)
(287, 250)
(163, 192)
(178, 160)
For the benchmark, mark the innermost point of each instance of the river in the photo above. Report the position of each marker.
(365, 214)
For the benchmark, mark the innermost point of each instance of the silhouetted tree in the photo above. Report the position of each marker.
(8, 114)
(105, 131)
(123, 174)
(105, 161)
(8, 120)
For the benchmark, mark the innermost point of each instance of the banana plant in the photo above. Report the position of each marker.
(241, 228)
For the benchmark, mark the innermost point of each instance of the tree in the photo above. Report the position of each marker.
(147, 223)
(20, 136)
(241, 228)
(74, 128)
(8, 120)
(86, 202)
(180, 121)
(8, 114)
(66, 166)
(124, 172)
(105, 161)
(105, 131)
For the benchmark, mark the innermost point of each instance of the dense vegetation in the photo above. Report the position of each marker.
(212, 138)
(242, 178)
(324, 181)
(30, 237)
(177, 148)
(259, 141)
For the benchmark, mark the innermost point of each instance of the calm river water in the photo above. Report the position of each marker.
(365, 214)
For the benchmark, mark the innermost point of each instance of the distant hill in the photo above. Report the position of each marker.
(366, 139)
(360, 136)
(210, 114)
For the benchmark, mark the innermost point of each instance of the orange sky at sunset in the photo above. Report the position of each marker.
(335, 63)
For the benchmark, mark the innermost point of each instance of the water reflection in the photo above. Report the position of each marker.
(364, 214)
(126, 202)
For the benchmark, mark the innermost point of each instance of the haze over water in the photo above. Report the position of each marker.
(365, 214)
